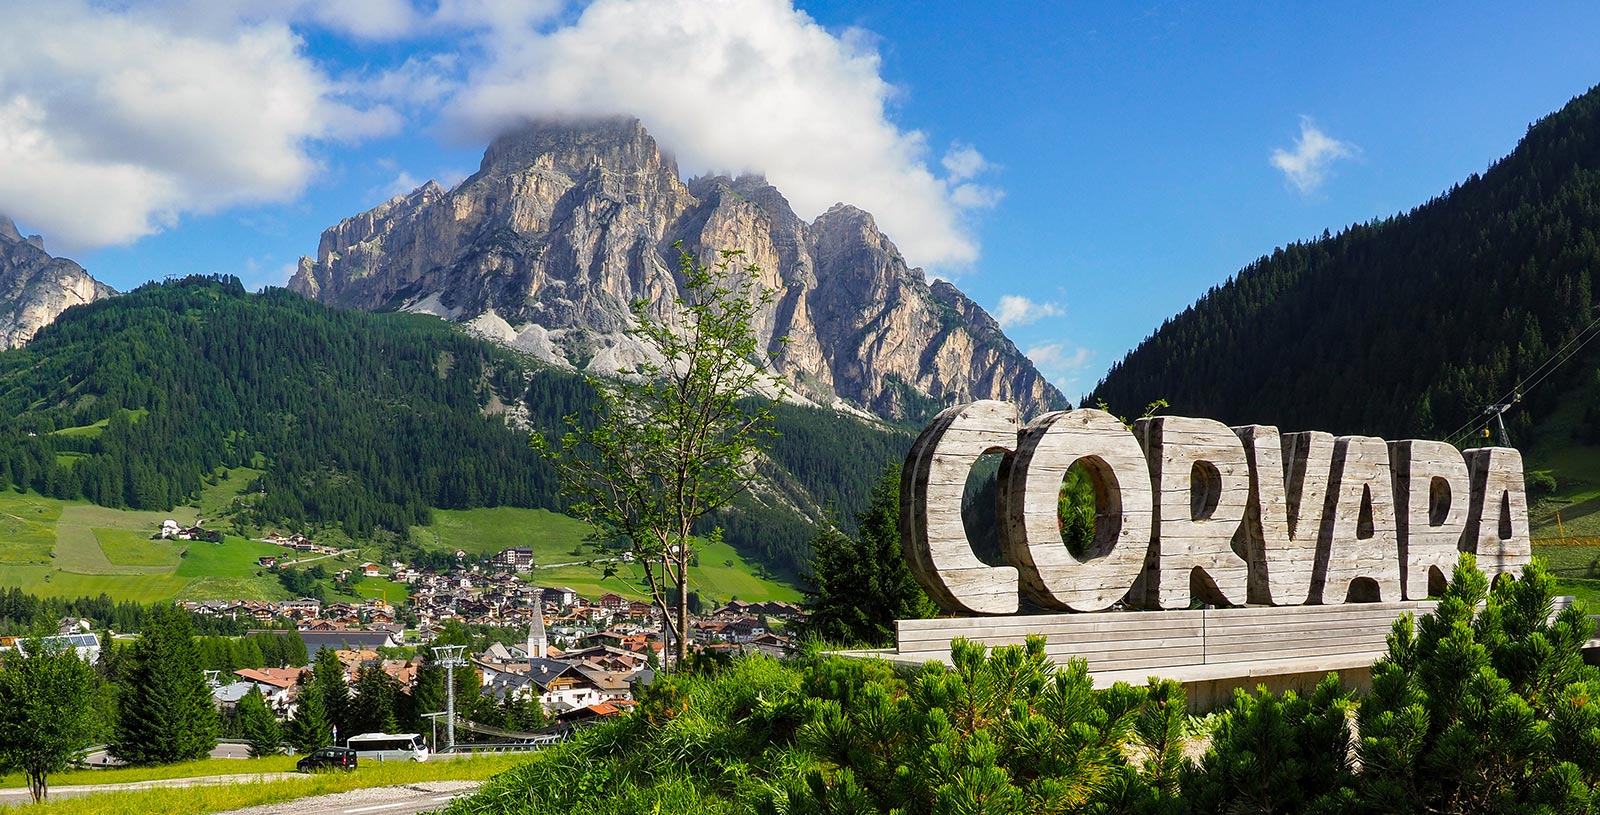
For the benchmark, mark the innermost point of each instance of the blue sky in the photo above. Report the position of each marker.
(1083, 170)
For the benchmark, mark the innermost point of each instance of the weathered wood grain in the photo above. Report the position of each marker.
(1432, 493)
(1283, 515)
(1497, 522)
(1359, 537)
(933, 535)
(1201, 480)
(1051, 575)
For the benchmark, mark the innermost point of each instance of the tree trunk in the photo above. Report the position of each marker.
(38, 787)
(683, 614)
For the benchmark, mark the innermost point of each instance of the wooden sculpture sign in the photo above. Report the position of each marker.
(1191, 510)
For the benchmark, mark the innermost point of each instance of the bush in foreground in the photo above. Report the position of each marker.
(1485, 706)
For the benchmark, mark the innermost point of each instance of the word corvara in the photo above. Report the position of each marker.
(1191, 510)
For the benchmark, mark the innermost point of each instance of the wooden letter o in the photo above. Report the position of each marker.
(1051, 575)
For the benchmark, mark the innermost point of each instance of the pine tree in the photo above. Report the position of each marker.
(1484, 708)
(1002, 732)
(165, 713)
(259, 725)
(329, 686)
(372, 704)
(862, 585)
(310, 729)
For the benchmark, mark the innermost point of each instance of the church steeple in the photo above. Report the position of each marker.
(537, 645)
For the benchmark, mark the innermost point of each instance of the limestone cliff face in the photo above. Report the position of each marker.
(35, 287)
(567, 223)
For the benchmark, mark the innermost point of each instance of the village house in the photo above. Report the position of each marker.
(768, 644)
(517, 559)
(277, 686)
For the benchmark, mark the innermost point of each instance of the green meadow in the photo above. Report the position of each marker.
(70, 549)
(722, 575)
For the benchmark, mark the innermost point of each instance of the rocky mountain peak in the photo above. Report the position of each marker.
(575, 147)
(568, 222)
(35, 287)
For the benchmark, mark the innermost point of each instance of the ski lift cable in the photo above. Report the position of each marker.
(1517, 392)
(1514, 394)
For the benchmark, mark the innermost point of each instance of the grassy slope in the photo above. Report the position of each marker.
(551, 535)
(715, 579)
(557, 539)
(71, 549)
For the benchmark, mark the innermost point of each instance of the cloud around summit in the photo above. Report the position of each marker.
(118, 120)
(744, 85)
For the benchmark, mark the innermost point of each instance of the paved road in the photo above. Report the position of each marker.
(425, 796)
(100, 758)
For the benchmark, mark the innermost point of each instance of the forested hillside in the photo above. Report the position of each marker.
(365, 421)
(1406, 326)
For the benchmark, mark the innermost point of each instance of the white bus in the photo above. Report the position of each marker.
(389, 747)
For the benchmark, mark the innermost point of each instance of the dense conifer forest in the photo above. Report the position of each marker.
(365, 421)
(1406, 326)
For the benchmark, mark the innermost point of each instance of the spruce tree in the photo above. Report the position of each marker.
(310, 729)
(259, 725)
(861, 585)
(165, 712)
(427, 694)
(328, 684)
(372, 705)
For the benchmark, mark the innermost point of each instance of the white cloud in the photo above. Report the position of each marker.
(1060, 362)
(114, 123)
(1307, 166)
(402, 184)
(375, 20)
(741, 85)
(1016, 310)
(963, 161)
(420, 81)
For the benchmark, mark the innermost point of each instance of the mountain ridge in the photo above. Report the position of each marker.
(566, 224)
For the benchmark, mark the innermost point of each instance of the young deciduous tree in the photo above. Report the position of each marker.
(860, 585)
(165, 710)
(679, 441)
(260, 726)
(46, 715)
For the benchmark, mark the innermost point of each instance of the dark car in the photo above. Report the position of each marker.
(328, 758)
